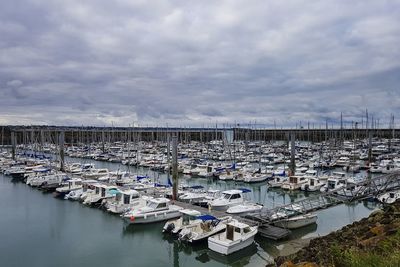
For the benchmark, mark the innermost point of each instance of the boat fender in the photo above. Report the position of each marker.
(132, 219)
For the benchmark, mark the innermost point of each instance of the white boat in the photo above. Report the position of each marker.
(294, 182)
(95, 173)
(227, 176)
(71, 185)
(209, 226)
(255, 178)
(124, 200)
(228, 199)
(312, 185)
(189, 217)
(196, 193)
(389, 197)
(244, 208)
(156, 209)
(101, 192)
(297, 221)
(237, 236)
(334, 183)
(277, 181)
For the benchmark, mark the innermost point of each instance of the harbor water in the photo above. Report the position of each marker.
(37, 229)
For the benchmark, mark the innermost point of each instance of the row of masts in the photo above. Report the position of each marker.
(42, 135)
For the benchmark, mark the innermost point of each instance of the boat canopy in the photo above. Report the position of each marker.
(113, 191)
(197, 187)
(245, 190)
(140, 177)
(206, 218)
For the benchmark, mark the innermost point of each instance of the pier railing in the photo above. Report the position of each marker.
(368, 188)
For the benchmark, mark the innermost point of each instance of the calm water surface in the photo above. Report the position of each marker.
(38, 230)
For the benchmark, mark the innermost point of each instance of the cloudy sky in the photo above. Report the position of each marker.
(74, 62)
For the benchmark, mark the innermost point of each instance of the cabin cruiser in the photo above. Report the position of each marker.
(124, 200)
(211, 194)
(277, 181)
(209, 226)
(294, 182)
(189, 217)
(312, 185)
(71, 185)
(100, 193)
(156, 209)
(229, 198)
(334, 183)
(237, 236)
(227, 176)
(195, 194)
(37, 177)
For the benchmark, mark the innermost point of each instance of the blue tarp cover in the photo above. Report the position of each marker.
(244, 190)
(206, 217)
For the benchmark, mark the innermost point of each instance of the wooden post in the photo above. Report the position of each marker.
(175, 167)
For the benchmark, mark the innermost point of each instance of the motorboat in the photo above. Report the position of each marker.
(255, 178)
(334, 183)
(237, 236)
(297, 221)
(211, 194)
(100, 193)
(71, 185)
(209, 226)
(95, 173)
(124, 200)
(189, 217)
(196, 193)
(156, 209)
(389, 197)
(294, 182)
(277, 181)
(228, 199)
(312, 185)
(244, 208)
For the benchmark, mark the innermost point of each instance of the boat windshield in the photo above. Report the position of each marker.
(227, 196)
(186, 219)
(126, 199)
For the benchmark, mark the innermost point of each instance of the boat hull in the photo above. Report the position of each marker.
(297, 222)
(221, 248)
(153, 217)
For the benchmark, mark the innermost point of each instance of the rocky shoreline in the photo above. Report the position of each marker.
(372, 241)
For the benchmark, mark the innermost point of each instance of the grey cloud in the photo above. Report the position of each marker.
(197, 62)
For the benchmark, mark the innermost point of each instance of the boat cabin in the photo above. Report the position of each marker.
(74, 183)
(158, 203)
(232, 195)
(125, 197)
(333, 183)
(235, 230)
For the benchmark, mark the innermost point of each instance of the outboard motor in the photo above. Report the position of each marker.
(169, 228)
